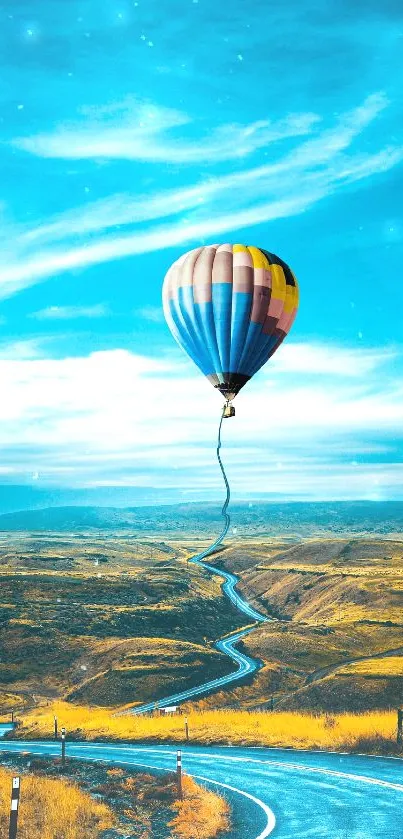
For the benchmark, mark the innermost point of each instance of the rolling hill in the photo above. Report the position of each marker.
(250, 519)
(105, 621)
(337, 642)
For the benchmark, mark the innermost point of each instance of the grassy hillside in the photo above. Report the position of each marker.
(106, 621)
(109, 618)
(336, 601)
(301, 519)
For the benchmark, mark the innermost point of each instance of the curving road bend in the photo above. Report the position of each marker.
(246, 665)
(228, 587)
(309, 795)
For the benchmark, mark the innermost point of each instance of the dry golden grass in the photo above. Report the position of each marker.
(51, 808)
(298, 730)
(381, 667)
(202, 814)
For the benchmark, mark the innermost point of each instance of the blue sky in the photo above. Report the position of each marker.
(133, 131)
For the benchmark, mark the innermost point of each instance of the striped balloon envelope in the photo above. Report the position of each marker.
(230, 307)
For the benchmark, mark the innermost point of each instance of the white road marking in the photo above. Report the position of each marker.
(271, 819)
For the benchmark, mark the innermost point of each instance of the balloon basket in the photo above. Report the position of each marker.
(228, 410)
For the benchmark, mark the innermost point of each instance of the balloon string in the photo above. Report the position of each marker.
(224, 509)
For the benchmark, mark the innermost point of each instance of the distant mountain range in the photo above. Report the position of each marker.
(259, 518)
(15, 497)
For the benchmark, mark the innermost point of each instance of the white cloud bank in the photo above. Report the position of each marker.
(329, 360)
(119, 419)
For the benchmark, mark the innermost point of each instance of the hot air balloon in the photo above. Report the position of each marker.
(230, 307)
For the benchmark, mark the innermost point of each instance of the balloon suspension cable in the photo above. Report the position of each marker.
(224, 509)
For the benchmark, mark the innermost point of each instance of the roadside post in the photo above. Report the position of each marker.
(186, 728)
(15, 800)
(12, 717)
(63, 746)
(179, 773)
(400, 727)
(55, 725)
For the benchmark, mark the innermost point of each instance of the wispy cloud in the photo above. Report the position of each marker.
(144, 133)
(315, 168)
(118, 418)
(119, 211)
(99, 310)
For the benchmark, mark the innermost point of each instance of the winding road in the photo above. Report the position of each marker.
(245, 664)
(309, 795)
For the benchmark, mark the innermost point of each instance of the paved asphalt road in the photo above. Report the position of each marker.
(230, 581)
(246, 665)
(290, 794)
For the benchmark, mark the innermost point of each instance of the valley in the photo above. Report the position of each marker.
(112, 618)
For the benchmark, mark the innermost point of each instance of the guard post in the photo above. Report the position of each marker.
(186, 728)
(55, 727)
(63, 746)
(15, 800)
(179, 773)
